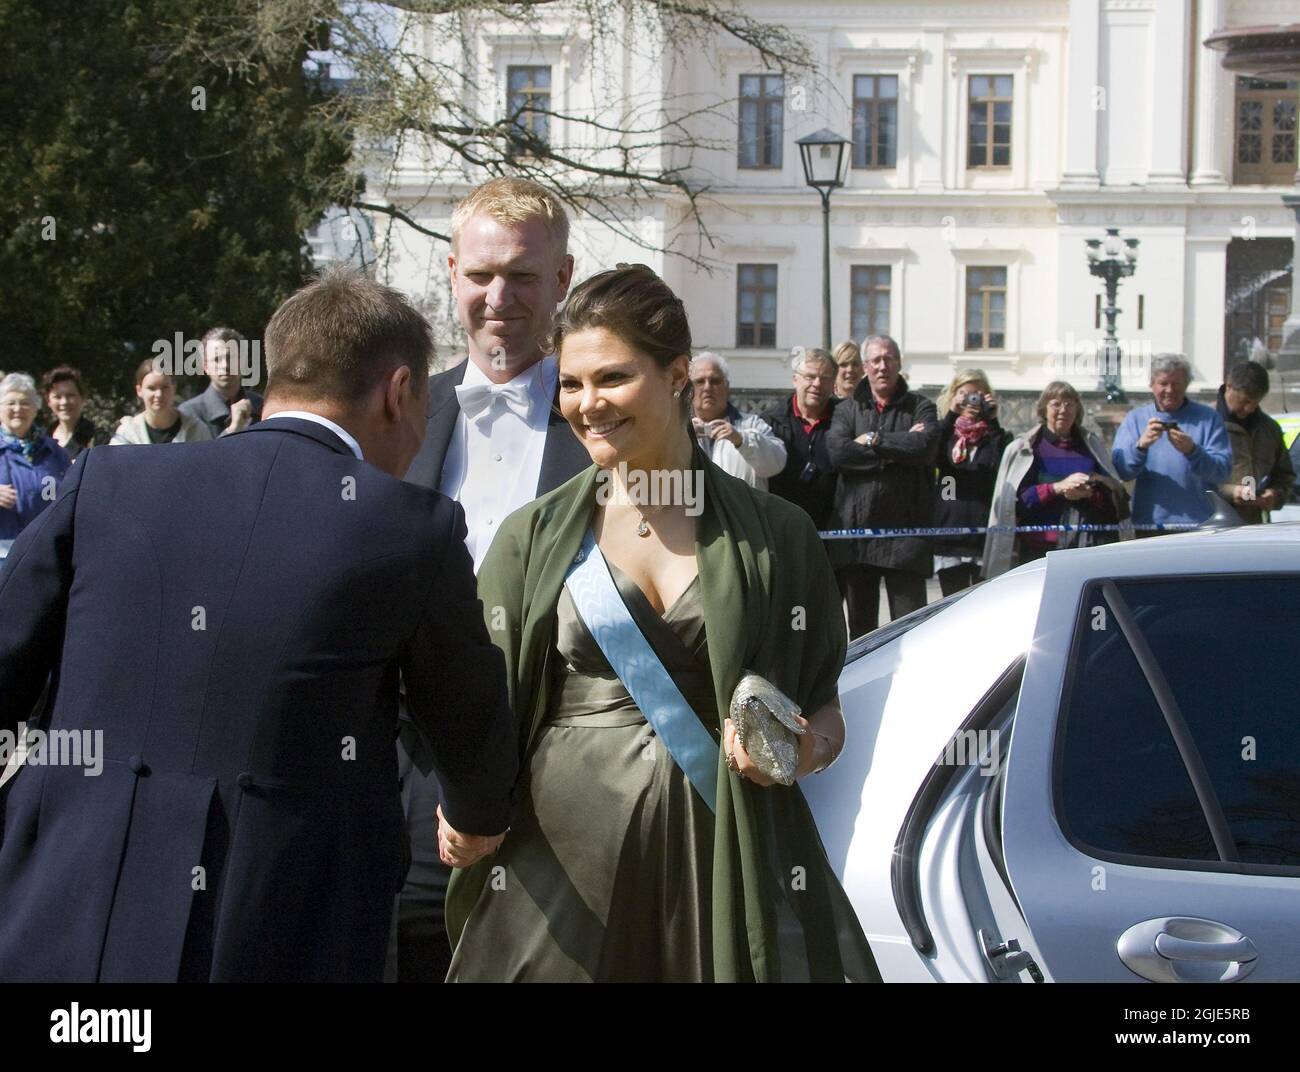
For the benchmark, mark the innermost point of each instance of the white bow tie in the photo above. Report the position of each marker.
(478, 400)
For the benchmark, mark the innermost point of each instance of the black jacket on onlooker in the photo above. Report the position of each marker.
(889, 485)
(813, 490)
(964, 493)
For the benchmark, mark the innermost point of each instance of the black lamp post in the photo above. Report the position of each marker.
(1111, 259)
(823, 155)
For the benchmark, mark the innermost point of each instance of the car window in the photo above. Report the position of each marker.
(1226, 648)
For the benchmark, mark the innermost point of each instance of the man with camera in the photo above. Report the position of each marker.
(1174, 449)
(801, 423)
(740, 444)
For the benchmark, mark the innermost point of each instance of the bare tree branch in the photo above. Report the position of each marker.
(414, 91)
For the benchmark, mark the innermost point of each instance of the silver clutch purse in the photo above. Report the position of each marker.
(765, 726)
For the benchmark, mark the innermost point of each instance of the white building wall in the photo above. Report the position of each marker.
(1119, 120)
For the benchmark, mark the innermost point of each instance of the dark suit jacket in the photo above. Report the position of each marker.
(563, 457)
(247, 708)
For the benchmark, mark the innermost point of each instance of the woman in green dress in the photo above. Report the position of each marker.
(616, 868)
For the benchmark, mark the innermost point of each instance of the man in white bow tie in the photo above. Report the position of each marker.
(495, 441)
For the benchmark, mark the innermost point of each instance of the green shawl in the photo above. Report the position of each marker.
(771, 605)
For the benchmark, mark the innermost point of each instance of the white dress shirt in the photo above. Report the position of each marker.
(494, 460)
(315, 418)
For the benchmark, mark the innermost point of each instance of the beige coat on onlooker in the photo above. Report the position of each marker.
(132, 430)
(999, 543)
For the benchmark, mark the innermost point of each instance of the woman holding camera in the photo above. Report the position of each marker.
(1058, 474)
(970, 452)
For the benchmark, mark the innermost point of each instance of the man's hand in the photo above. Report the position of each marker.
(1154, 430)
(919, 426)
(722, 429)
(241, 416)
(1182, 442)
(461, 850)
(8, 497)
(1268, 500)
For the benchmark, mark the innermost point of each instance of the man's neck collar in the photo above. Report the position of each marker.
(804, 415)
(507, 375)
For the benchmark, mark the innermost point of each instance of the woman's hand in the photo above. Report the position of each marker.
(1074, 486)
(815, 752)
(8, 497)
(738, 759)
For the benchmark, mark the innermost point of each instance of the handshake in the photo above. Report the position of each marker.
(462, 850)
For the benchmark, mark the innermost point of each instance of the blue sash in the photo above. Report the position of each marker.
(600, 605)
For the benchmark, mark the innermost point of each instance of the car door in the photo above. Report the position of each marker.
(1151, 816)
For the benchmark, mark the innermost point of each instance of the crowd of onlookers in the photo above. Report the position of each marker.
(853, 445)
(35, 454)
(862, 450)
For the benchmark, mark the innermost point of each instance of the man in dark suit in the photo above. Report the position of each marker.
(496, 441)
(248, 826)
(226, 407)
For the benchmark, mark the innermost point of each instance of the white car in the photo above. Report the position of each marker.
(1087, 769)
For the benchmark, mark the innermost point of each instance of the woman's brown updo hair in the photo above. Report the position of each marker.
(636, 305)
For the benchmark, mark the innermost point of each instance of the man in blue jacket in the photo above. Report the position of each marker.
(229, 620)
(1173, 448)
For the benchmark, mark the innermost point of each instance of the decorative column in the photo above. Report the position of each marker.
(1212, 140)
(1169, 95)
(1084, 95)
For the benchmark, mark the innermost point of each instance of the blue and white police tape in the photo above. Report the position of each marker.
(980, 530)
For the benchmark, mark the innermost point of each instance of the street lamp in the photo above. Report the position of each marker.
(823, 155)
(1111, 259)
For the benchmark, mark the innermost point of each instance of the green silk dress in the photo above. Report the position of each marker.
(607, 875)
(614, 867)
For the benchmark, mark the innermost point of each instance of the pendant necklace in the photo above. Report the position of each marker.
(642, 525)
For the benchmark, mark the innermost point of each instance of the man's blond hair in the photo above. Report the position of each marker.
(509, 200)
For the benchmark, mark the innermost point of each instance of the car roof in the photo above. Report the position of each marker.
(1273, 548)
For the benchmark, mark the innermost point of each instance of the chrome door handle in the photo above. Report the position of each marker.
(1185, 949)
(1172, 948)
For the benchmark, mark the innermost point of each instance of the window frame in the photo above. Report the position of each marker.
(874, 103)
(985, 309)
(854, 291)
(526, 117)
(990, 105)
(763, 102)
(1266, 172)
(1073, 667)
(754, 341)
